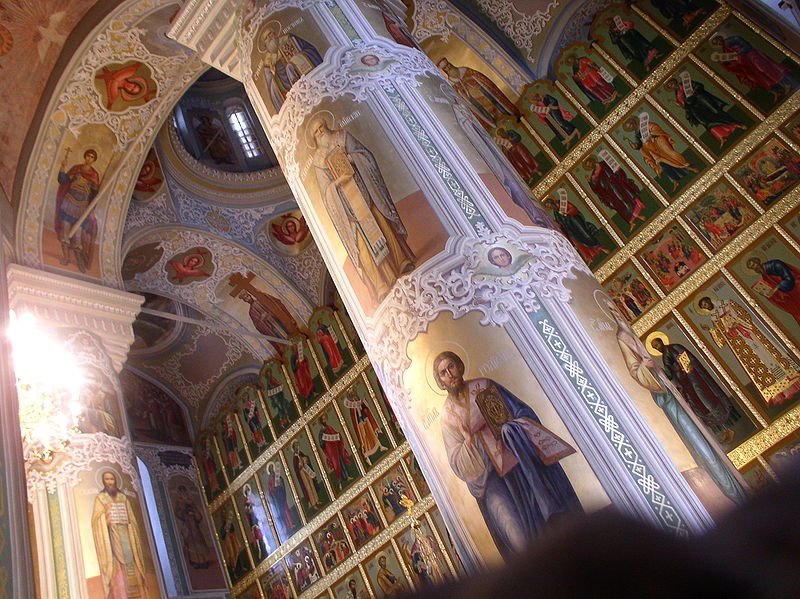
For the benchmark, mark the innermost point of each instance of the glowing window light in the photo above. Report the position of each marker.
(241, 126)
(49, 381)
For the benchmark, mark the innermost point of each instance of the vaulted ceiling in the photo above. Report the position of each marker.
(200, 197)
(177, 219)
(161, 196)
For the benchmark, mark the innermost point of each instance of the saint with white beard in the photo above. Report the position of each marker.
(360, 206)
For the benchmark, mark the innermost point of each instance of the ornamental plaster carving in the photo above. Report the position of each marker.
(430, 19)
(344, 74)
(458, 282)
(243, 223)
(83, 453)
(160, 472)
(521, 27)
(578, 25)
(155, 211)
(195, 392)
(244, 226)
(67, 302)
(191, 10)
(80, 103)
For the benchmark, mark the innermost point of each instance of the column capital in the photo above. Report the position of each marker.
(67, 302)
(209, 28)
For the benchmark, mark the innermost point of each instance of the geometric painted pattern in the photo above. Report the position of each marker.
(340, 17)
(443, 169)
(616, 435)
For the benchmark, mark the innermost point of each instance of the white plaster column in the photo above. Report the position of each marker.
(16, 560)
(67, 496)
(436, 245)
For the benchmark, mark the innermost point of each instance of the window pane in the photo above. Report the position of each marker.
(241, 127)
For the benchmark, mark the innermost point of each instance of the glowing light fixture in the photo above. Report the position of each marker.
(49, 381)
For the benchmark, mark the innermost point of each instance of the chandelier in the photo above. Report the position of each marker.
(49, 381)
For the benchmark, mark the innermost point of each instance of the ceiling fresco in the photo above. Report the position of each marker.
(107, 105)
(219, 246)
(116, 191)
(185, 362)
(194, 370)
(32, 35)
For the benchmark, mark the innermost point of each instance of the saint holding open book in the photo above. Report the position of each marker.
(496, 444)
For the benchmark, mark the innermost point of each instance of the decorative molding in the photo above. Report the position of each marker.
(80, 103)
(767, 438)
(68, 302)
(307, 269)
(193, 9)
(521, 27)
(83, 452)
(160, 472)
(341, 76)
(209, 28)
(272, 176)
(429, 19)
(149, 213)
(454, 283)
(241, 223)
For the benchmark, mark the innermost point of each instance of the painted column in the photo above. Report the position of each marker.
(521, 388)
(16, 571)
(86, 504)
(186, 547)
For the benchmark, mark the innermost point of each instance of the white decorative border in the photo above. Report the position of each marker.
(521, 27)
(134, 130)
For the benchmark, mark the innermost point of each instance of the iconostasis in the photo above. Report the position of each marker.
(311, 485)
(665, 147)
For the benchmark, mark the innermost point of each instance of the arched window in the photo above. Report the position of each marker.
(241, 126)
